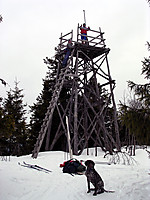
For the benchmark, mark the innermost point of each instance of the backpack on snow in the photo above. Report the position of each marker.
(73, 166)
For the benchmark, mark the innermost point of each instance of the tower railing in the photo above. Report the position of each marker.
(64, 40)
(94, 38)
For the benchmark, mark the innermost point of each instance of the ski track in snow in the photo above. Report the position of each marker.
(21, 183)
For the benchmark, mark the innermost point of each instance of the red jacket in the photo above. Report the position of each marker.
(84, 30)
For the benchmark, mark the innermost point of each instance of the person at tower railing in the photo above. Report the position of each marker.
(68, 53)
(84, 30)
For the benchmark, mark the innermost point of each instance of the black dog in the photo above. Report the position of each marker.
(94, 178)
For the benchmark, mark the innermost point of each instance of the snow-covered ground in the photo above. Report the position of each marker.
(130, 182)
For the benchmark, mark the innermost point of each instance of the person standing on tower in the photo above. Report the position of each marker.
(84, 30)
(68, 53)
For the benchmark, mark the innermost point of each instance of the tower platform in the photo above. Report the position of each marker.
(88, 50)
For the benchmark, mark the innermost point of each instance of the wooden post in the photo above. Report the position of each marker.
(85, 121)
(115, 110)
(60, 46)
(68, 138)
(76, 111)
(78, 33)
(48, 136)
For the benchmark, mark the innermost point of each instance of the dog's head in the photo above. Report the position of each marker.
(90, 164)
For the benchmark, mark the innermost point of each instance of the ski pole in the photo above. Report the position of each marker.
(84, 17)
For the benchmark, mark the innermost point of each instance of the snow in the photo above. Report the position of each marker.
(130, 182)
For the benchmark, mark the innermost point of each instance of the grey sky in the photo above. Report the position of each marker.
(31, 29)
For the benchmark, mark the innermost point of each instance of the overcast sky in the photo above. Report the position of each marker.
(31, 29)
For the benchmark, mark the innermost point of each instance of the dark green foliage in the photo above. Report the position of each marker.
(137, 121)
(136, 115)
(13, 134)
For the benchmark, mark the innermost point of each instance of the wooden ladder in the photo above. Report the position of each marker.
(51, 107)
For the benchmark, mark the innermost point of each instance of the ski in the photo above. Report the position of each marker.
(37, 166)
(32, 167)
(102, 162)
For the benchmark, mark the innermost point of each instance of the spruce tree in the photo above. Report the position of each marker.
(14, 133)
(136, 115)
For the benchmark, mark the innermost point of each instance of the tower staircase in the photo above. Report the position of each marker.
(48, 116)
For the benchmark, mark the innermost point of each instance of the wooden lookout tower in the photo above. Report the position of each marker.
(90, 107)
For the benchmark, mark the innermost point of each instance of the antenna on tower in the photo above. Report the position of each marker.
(84, 17)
